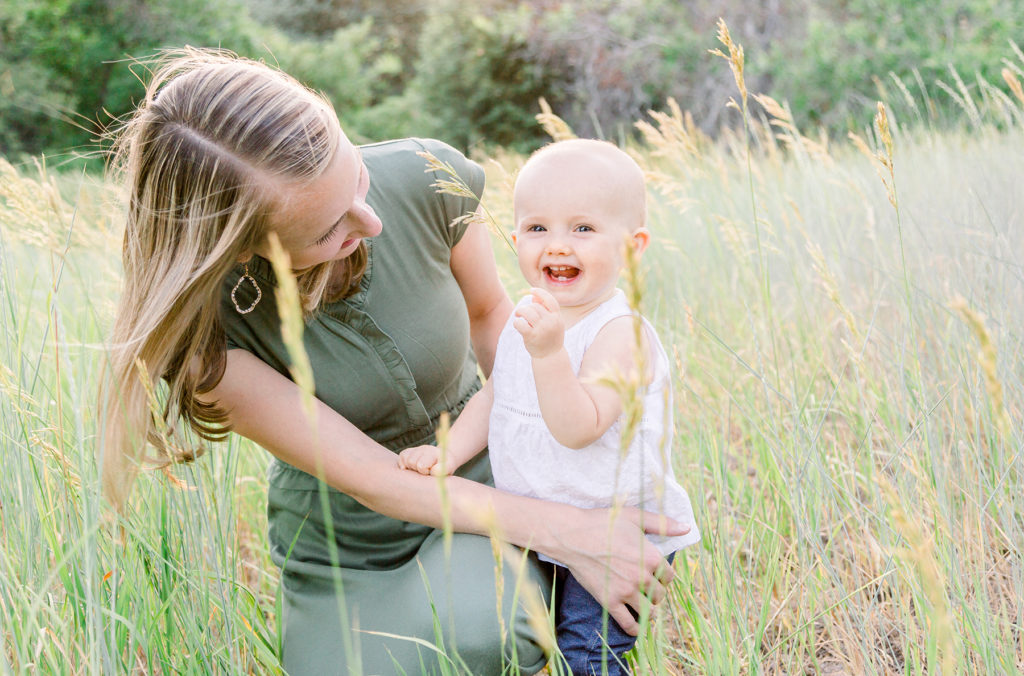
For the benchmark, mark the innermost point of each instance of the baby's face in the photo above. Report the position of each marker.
(572, 225)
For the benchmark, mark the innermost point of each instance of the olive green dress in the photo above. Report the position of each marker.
(389, 359)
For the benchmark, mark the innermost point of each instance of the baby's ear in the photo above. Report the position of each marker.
(640, 238)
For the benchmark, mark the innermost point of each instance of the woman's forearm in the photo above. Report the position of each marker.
(266, 407)
(606, 550)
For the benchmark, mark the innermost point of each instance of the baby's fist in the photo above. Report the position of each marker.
(422, 459)
(540, 324)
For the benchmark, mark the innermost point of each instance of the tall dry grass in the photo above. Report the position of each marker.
(846, 322)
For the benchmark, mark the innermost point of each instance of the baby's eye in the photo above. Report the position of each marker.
(535, 228)
(583, 227)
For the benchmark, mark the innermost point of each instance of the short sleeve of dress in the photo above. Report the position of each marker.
(467, 173)
(472, 174)
(229, 316)
(258, 331)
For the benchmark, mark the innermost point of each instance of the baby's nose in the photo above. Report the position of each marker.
(556, 244)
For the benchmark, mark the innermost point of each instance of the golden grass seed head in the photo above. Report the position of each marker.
(1013, 83)
(555, 127)
(735, 58)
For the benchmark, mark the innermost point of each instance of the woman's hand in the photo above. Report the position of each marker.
(608, 554)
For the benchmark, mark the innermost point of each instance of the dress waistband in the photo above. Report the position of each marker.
(284, 475)
(425, 435)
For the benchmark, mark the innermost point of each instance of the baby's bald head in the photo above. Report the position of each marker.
(597, 164)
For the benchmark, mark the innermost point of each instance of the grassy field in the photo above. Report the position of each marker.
(847, 324)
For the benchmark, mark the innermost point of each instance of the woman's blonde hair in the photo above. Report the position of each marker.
(203, 158)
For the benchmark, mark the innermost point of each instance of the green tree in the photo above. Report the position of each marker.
(397, 23)
(477, 79)
(352, 67)
(65, 63)
(612, 56)
(31, 94)
(834, 74)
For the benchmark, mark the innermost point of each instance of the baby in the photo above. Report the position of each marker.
(553, 430)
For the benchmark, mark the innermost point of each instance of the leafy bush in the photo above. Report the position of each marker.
(350, 66)
(854, 50)
(64, 69)
(477, 78)
(472, 72)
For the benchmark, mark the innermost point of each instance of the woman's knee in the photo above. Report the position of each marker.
(485, 607)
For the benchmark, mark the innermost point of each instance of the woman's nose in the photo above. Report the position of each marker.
(369, 223)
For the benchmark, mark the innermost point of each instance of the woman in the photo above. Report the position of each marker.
(223, 152)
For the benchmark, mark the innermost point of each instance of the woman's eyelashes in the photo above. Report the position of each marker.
(328, 237)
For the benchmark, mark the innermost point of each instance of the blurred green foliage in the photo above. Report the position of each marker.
(476, 78)
(852, 54)
(65, 64)
(472, 72)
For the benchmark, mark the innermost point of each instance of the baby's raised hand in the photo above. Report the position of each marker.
(422, 459)
(540, 324)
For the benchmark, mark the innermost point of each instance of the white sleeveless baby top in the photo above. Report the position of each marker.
(527, 460)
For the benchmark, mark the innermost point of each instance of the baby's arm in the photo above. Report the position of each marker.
(576, 410)
(466, 438)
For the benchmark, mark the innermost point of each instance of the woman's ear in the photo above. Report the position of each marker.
(245, 256)
(640, 238)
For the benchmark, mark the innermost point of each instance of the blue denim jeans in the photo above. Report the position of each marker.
(580, 621)
(580, 637)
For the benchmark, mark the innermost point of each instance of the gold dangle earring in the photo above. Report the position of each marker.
(259, 292)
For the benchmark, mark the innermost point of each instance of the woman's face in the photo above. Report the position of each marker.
(325, 220)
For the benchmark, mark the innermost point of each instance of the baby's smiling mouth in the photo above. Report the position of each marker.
(561, 273)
